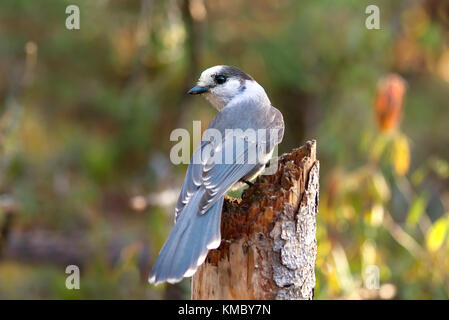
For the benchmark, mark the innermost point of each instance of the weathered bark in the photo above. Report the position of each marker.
(268, 247)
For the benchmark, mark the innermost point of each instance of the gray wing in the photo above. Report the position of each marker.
(219, 176)
(216, 174)
(192, 180)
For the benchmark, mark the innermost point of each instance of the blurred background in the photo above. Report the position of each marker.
(86, 115)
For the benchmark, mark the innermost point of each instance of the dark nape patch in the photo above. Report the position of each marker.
(230, 71)
(242, 88)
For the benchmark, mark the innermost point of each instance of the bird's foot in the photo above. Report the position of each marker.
(250, 184)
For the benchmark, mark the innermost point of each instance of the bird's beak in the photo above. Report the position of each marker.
(198, 90)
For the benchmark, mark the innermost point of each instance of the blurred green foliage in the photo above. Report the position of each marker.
(86, 115)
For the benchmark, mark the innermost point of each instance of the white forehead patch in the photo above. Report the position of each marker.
(207, 78)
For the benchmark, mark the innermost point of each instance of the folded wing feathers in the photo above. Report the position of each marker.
(198, 212)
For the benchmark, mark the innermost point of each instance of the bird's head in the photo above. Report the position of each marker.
(223, 84)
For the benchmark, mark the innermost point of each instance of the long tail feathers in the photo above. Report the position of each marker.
(193, 235)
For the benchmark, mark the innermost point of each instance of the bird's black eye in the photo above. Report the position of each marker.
(220, 79)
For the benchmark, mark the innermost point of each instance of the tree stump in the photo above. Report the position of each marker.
(268, 246)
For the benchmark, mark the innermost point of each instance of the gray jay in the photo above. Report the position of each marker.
(242, 104)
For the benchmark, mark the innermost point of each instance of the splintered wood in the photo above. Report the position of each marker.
(268, 246)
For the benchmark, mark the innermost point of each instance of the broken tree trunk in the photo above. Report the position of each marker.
(268, 247)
